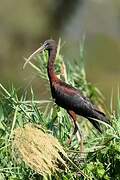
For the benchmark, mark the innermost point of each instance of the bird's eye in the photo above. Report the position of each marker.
(46, 44)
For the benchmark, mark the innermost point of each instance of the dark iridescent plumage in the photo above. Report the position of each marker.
(67, 96)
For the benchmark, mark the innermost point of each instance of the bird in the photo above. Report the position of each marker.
(67, 96)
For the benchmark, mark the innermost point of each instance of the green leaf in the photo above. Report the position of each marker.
(2, 126)
(100, 172)
(1, 113)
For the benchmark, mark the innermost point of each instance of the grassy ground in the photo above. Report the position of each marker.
(101, 156)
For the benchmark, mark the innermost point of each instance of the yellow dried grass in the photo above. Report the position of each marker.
(38, 149)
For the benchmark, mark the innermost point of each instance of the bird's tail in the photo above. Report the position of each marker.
(101, 117)
(95, 124)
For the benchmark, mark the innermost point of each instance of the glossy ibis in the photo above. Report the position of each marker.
(67, 96)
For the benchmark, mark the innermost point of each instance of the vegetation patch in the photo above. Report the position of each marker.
(34, 133)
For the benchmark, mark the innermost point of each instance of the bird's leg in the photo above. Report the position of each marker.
(76, 130)
(73, 117)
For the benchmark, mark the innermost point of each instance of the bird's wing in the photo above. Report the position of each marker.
(72, 99)
(71, 96)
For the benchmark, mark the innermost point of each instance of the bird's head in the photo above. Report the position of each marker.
(47, 45)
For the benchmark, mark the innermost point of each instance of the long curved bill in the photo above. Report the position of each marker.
(42, 48)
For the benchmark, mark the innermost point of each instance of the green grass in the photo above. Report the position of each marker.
(101, 157)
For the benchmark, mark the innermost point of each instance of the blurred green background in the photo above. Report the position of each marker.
(26, 24)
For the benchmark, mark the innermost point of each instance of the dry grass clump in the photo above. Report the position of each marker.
(38, 149)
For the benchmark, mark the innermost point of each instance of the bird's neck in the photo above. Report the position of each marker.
(51, 72)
